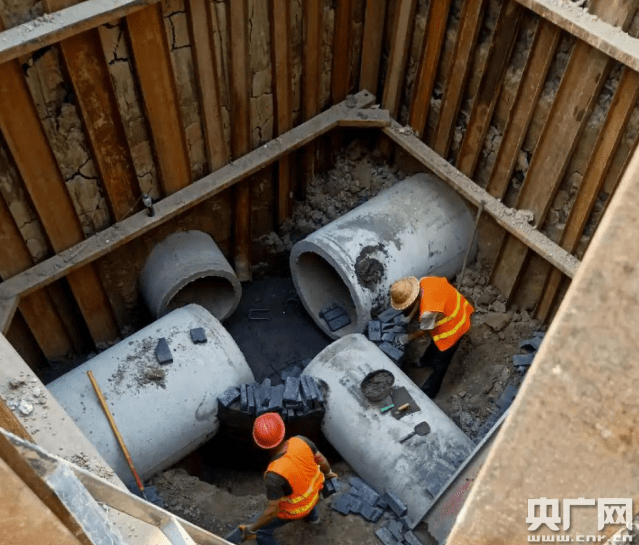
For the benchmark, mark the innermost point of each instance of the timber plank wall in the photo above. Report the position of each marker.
(150, 97)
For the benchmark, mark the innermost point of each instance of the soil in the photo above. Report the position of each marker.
(219, 498)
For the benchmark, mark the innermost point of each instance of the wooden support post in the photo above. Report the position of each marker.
(504, 216)
(341, 74)
(153, 66)
(431, 51)
(86, 65)
(398, 56)
(115, 236)
(503, 41)
(585, 75)
(25, 137)
(608, 141)
(313, 21)
(469, 25)
(240, 130)
(8, 307)
(281, 48)
(9, 422)
(37, 308)
(200, 25)
(578, 401)
(530, 86)
(372, 44)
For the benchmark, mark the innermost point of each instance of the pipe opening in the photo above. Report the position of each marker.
(216, 294)
(323, 287)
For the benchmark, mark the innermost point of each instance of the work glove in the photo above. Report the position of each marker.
(330, 475)
(246, 533)
(404, 339)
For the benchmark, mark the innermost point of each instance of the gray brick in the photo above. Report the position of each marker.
(250, 393)
(396, 528)
(381, 503)
(388, 337)
(391, 351)
(356, 504)
(342, 504)
(371, 514)
(276, 404)
(243, 398)
(265, 391)
(523, 360)
(389, 315)
(331, 313)
(374, 331)
(411, 539)
(339, 322)
(198, 335)
(291, 371)
(318, 390)
(291, 390)
(395, 503)
(230, 396)
(366, 493)
(385, 536)
(531, 344)
(307, 393)
(407, 523)
(163, 352)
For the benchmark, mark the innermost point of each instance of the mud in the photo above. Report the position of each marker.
(369, 271)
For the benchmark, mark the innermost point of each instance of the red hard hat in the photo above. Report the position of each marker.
(268, 430)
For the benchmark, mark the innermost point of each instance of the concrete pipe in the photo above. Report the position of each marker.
(418, 227)
(369, 440)
(163, 412)
(188, 267)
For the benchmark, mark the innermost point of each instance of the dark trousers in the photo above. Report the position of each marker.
(438, 361)
(265, 533)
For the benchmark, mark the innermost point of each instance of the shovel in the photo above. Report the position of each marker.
(420, 429)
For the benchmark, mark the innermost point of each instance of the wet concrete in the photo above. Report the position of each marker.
(273, 330)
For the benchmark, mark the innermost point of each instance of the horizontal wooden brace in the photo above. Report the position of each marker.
(120, 233)
(504, 216)
(55, 27)
(611, 40)
(8, 309)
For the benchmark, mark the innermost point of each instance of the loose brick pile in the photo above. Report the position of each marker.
(385, 331)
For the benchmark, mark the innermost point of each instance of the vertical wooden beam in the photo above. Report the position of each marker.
(200, 25)
(87, 67)
(313, 22)
(37, 308)
(25, 136)
(585, 75)
(240, 129)
(10, 422)
(530, 86)
(281, 48)
(621, 108)
(372, 44)
(153, 66)
(398, 56)
(484, 103)
(340, 76)
(428, 63)
(469, 25)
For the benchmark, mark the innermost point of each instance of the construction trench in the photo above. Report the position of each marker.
(203, 205)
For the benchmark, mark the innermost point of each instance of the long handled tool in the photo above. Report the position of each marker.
(116, 432)
(420, 429)
(480, 209)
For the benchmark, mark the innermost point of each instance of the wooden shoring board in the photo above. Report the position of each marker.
(37, 308)
(530, 87)
(504, 216)
(25, 136)
(238, 16)
(157, 83)
(107, 493)
(579, 88)
(86, 65)
(200, 27)
(484, 103)
(50, 29)
(374, 18)
(132, 227)
(341, 72)
(621, 108)
(427, 72)
(403, 24)
(281, 53)
(9, 421)
(8, 309)
(313, 22)
(604, 36)
(458, 73)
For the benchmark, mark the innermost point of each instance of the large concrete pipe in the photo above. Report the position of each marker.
(369, 440)
(418, 227)
(163, 412)
(188, 267)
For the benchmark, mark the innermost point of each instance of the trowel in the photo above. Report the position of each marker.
(422, 428)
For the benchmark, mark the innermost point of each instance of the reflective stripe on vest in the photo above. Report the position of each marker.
(299, 468)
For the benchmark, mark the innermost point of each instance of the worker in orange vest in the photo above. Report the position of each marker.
(293, 479)
(441, 310)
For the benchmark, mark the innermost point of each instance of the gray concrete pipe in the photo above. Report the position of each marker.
(369, 440)
(188, 267)
(418, 227)
(163, 412)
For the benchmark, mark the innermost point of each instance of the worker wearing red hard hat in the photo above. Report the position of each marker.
(440, 310)
(293, 479)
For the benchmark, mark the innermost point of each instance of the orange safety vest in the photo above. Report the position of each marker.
(437, 295)
(299, 468)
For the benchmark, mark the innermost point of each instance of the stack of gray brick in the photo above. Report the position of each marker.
(385, 331)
